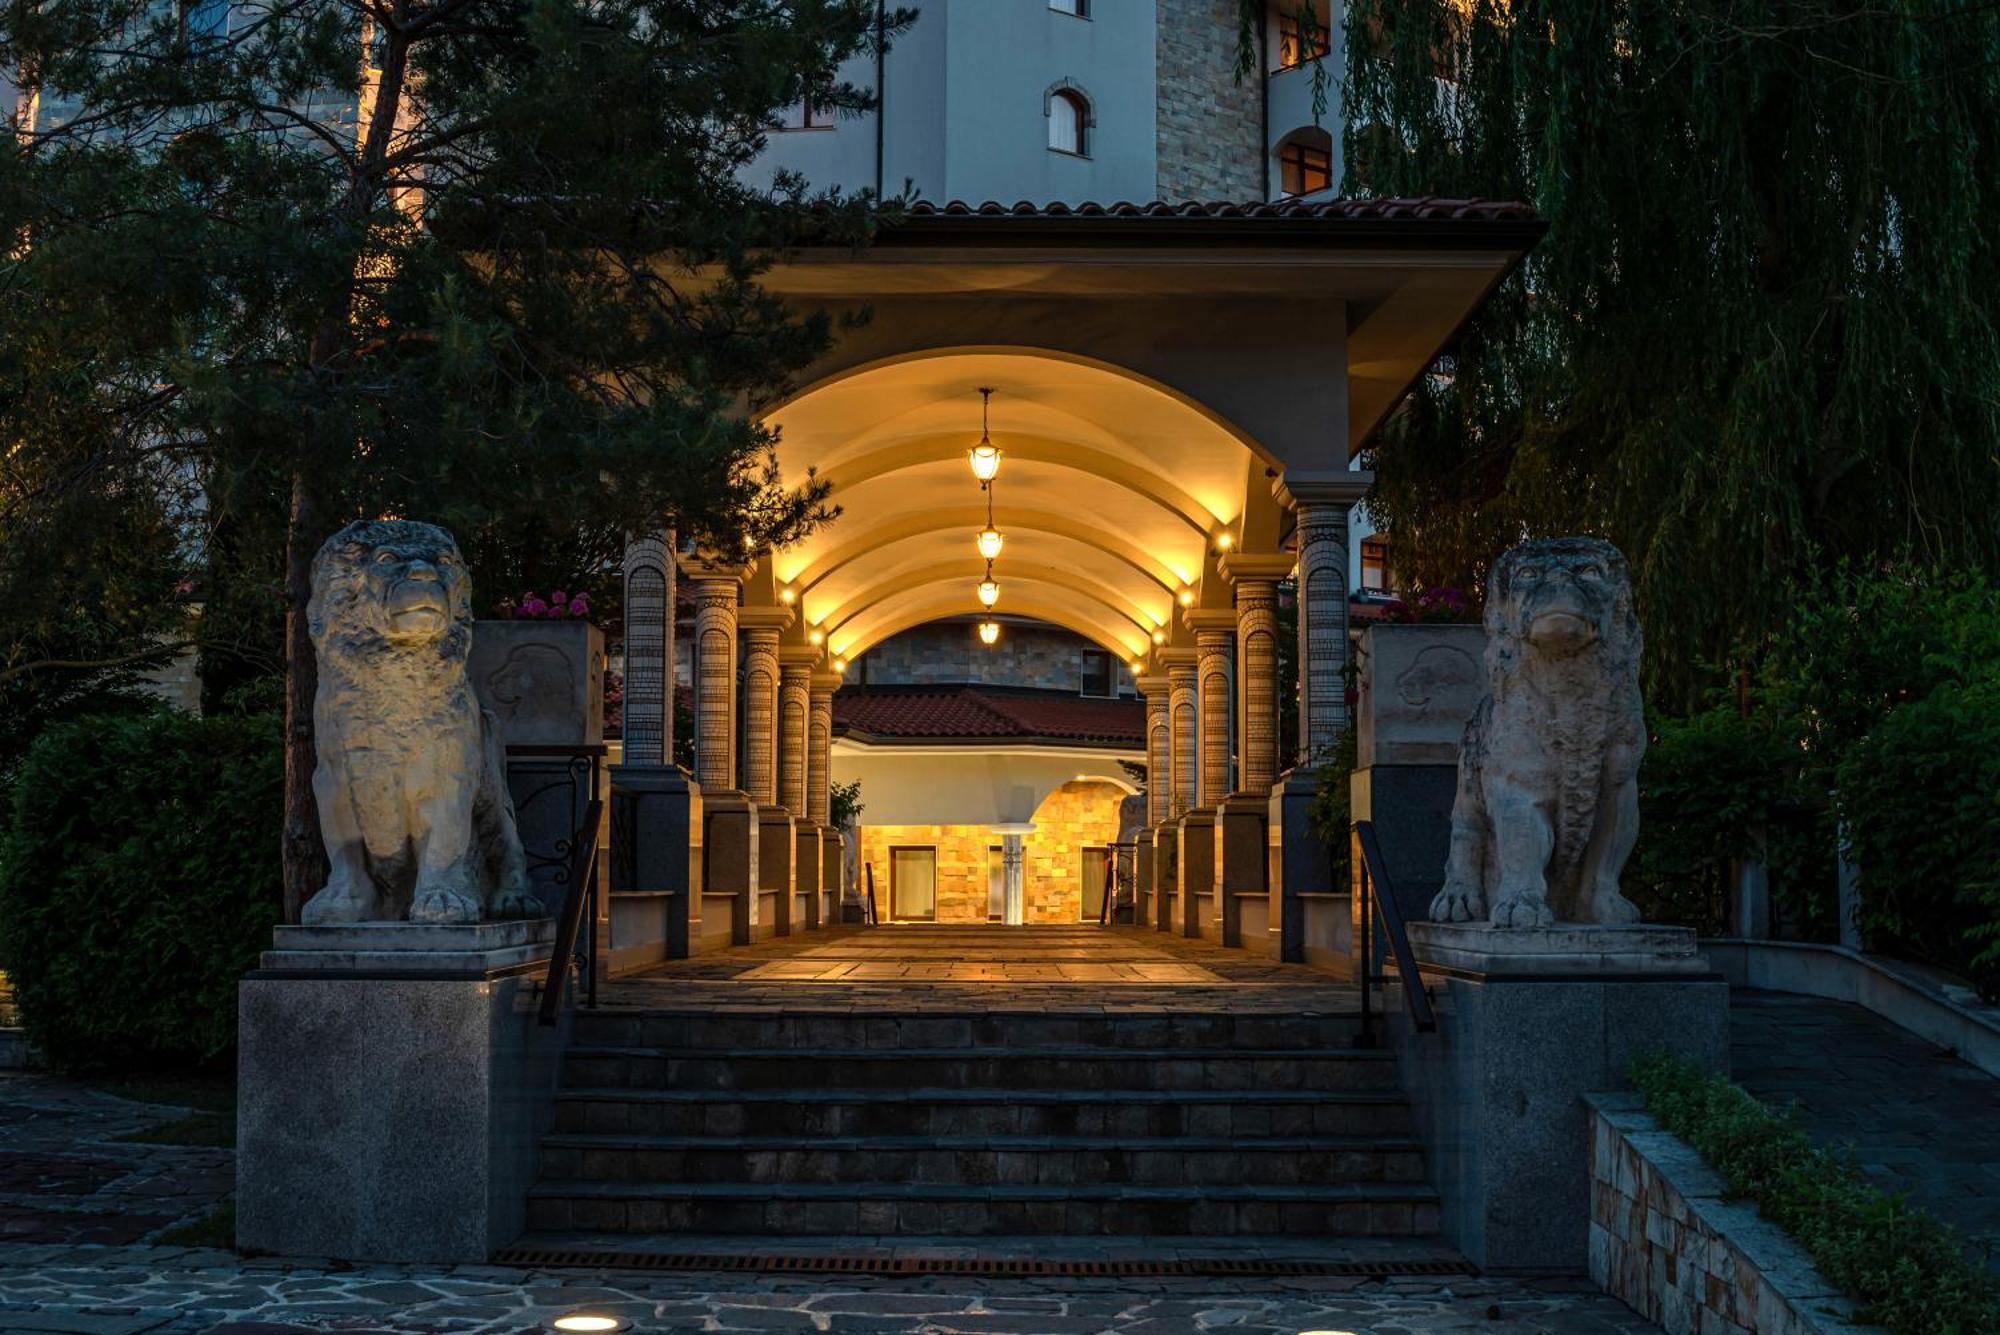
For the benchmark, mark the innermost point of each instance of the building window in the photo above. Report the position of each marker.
(1097, 678)
(1305, 163)
(1074, 8)
(1375, 565)
(805, 114)
(1298, 42)
(1069, 123)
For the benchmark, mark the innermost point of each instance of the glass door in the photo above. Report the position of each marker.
(913, 884)
(1095, 860)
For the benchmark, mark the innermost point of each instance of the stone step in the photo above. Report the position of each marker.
(1048, 1160)
(806, 1114)
(1374, 1209)
(985, 1029)
(1004, 1068)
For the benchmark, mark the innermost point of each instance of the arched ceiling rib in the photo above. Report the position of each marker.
(1110, 493)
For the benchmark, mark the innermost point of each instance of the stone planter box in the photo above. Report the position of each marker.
(1667, 1241)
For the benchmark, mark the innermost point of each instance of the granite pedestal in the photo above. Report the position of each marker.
(1144, 904)
(656, 827)
(731, 840)
(1301, 923)
(1166, 875)
(1496, 1091)
(1242, 855)
(834, 881)
(393, 1088)
(777, 846)
(1194, 864)
(807, 848)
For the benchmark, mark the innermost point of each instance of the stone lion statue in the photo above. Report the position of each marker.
(411, 783)
(1548, 798)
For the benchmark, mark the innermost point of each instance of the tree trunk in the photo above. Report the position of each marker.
(304, 854)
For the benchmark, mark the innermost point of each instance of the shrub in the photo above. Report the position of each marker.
(1907, 1270)
(1920, 798)
(139, 878)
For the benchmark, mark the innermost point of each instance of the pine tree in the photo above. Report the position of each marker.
(488, 262)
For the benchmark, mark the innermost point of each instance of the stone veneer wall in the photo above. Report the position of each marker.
(1209, 126)
(1074, 817)
(948, 653)
(1667, 1242)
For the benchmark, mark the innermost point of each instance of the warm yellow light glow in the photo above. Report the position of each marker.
(1138, 667)
(990, 542)
(589, 1321)
(787, 597)
(1159, 637)
(985, 458)
(988, 591)
(1187, 597)
(840, 665)
(815, 635)
(989, 632)
(1225, 540)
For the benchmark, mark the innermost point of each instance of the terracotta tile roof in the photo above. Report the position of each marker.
(1424, 209)
(890, 713)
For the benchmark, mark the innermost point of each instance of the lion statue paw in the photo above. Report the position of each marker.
(1522, 911)
(1456, 903)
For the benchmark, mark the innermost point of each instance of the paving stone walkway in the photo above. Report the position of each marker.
(927, 968)
(166, 1291)
(1918, 1118)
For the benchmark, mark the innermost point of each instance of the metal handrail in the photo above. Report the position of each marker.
(1375, 892)
(579, 911)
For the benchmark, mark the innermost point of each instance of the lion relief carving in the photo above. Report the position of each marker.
(411, 783)
(1547, 808)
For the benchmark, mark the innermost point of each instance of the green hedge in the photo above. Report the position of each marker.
(1921, 798)
(1907, 1270)
(139, 878)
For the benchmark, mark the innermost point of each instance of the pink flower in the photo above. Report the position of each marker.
(534, 607)
(558, 597)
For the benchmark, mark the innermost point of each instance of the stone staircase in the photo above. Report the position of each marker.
(997, 1122)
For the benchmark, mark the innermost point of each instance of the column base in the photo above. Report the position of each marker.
(1142, 878)
(1242, 870)
(655, 860)
(777, 884)
(1308, 914)
(833, 877)
(806, 874)
(1166, 875)
(730, 844)
(1196, 864)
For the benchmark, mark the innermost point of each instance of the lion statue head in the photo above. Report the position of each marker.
(1558, 599)
(391, 587)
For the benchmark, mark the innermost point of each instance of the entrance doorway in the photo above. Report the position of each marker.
(913, 884)
(1096, 866)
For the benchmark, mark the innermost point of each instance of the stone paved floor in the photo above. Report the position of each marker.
(166, 1291)
(1919, 1119)
(66, 1177)
(943, 968)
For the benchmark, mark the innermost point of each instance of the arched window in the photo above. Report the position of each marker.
(1305, 162)
(1069, 122)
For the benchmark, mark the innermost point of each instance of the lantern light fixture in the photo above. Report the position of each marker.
(989, 632)
(840, 665)
(988, 590)
(815, 635)
(985, 456)
(990, 541)
(1187, 597)
(788, 595)
(1159, 637)
(1225, 540)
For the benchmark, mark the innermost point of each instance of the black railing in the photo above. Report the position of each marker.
(579, 914)
(1378, 899)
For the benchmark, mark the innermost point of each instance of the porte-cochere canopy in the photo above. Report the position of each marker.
(1156, 370)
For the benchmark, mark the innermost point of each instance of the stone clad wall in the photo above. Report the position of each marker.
(1665, 1240)
(1073, 817)
(1209, 126)
(949, 654)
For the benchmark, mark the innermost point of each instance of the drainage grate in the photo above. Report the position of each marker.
(991, 1267)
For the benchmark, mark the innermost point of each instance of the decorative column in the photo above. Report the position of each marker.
(777, 848)
(1178, 781)
(1214, 640)
(1320, 503)
(1159, 799)
(730, 843)
(656, 810)
(1243, 822)
(819, 803)
(795, 665)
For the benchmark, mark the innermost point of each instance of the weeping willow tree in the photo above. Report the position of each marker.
(1760, 334)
